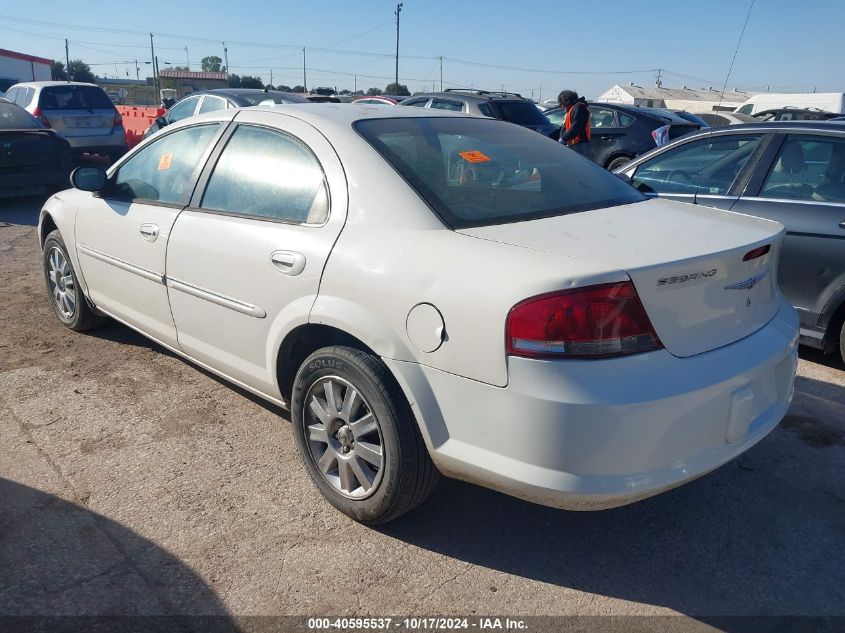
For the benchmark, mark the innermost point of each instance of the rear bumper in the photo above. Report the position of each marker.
(588, 435)
(103, 143)
(30, 180)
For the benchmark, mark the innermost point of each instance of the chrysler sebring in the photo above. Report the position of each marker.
(429, 292)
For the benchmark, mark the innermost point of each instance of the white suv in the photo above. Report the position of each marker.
(80, 112)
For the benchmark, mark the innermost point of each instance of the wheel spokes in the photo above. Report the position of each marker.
(369, 452)
(317, 433)
(364, 425)
(350, 403)
(362, 473)
(318, 410)
(347, 477)
(328, 462)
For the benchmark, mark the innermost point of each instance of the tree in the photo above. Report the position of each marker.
(211, 64)
(78, 70)
(373, 92)
(284, 88)
(247, 81)
(180, 68)
(57, 71)
(298, 89)
(397, 89)
(234, 81)
(326, 92)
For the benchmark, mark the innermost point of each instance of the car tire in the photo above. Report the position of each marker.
(842, 343)
(63, 288)
(617, 162)
(357, 436)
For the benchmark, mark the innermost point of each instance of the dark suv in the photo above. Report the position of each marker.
(507, 106)
(619, 133)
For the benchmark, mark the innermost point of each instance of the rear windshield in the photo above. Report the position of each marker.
(520, 112)
(13, 117)
(72, 97)
(478, 172)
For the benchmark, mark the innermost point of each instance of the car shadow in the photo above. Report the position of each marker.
(760, 536)
(67, 568)
(833, 360)
(21, 211)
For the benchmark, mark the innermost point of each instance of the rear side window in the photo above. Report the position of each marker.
(163, 171)
(71, 97)
(209, 104)
(625, 119)
(419, 103)
(602, 117)
(478, 172)
(268, 174)
(447, 104)
(182, 110)
(521, 112)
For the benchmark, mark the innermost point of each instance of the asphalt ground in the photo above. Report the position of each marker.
(133, 483)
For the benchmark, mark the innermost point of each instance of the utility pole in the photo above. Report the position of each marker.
(188, 57)
(137, 71)
(271, 77)
(398, 11)
(67, 60)
(441, 72)
(659, 82)
(226, 61)
(153, 62)
(304, 77)
(355, 84)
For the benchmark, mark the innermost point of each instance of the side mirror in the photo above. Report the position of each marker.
(161, 122)
(88, 178)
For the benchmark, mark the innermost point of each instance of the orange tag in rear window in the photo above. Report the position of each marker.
(474, 157)
(164, 161)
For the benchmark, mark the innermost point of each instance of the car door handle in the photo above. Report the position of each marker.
(289, 262)
(149, 232)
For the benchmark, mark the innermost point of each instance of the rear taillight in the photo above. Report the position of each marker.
(604, 320)
(38, 114)
(757, 252)
(118, 119)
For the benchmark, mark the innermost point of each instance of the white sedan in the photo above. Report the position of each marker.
(436, 293)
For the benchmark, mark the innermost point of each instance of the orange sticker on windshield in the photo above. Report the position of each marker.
(474, 157)
(165, 161)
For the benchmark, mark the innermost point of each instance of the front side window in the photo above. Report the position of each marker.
(706, 166)
(268, 174)
(182, 110)
(164, 170)
(479, 172)
(808, 168)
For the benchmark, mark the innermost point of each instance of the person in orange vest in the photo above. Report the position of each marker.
(575, 131)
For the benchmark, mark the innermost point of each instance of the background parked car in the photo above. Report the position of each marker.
(220, 99)
(33, 158)
(507, 106)
(721, 119)
(81, 113)
(793, 114)
(377, 100)
(790, 172)
(619, 133)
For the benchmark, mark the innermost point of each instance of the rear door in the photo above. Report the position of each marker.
(802, 186)
(706, 170)
(77, 110)
(606, 132)
(122, 232)
(245, 259)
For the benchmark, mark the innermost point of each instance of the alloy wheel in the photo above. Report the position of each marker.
(62, 286)
(344, 437)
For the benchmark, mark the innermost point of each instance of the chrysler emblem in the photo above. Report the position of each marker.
(749, 283)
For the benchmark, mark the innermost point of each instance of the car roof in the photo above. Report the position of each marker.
(46, 84)
(470, 95)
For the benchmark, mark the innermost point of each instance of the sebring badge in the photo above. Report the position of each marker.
(749, 283)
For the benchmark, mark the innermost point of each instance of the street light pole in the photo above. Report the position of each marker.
(188, 57)
(153, 62)
(304, 77)
(398, 11)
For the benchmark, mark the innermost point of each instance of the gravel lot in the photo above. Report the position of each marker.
(133, 483)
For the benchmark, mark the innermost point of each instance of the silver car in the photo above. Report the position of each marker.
(80, 112)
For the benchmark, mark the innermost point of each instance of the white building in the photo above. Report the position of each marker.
(689, 99)
(17, 67)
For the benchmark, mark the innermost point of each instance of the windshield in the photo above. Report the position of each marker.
(520, 112)
(478, 172)
(14, 117)
(71, 97)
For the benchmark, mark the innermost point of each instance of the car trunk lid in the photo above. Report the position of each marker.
(685, 261)
(25, 148)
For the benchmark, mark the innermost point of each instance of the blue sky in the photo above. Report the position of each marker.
(784, 47)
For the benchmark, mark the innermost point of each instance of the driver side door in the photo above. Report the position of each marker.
(122, 231)
(701, 171)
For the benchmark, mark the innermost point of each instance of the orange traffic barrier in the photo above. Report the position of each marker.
(136, 120)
